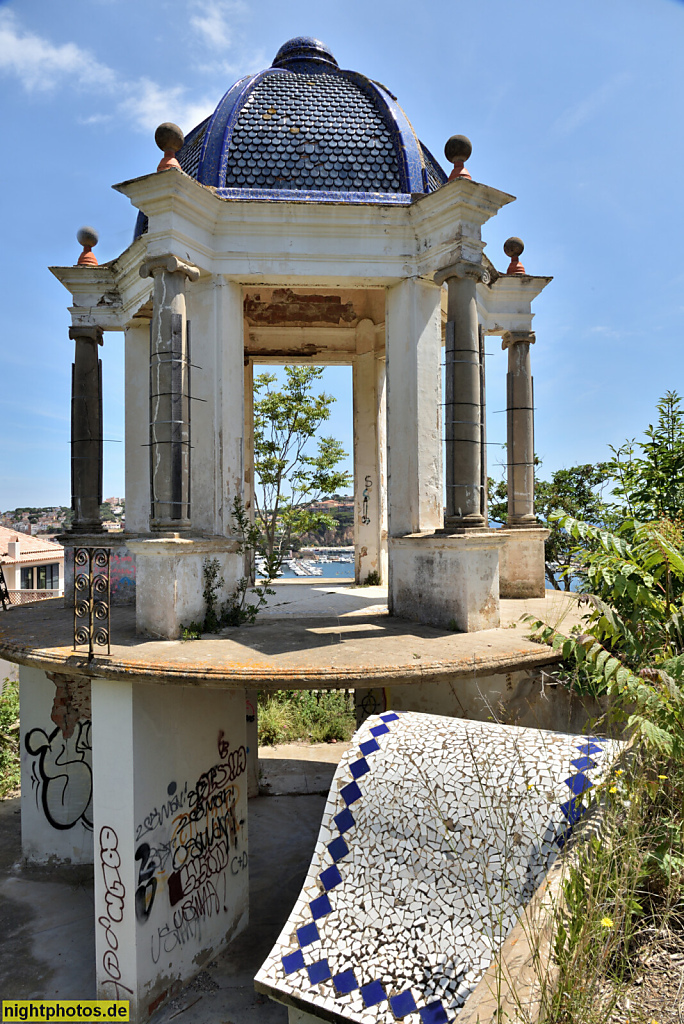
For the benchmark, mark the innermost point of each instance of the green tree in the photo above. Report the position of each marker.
(293, 466)
(649, 476)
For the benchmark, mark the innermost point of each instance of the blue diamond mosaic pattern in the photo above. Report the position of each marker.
(422, 866)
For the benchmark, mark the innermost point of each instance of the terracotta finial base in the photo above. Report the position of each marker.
(168, 160)
(515, 267)
(87, 258)
(460, 171)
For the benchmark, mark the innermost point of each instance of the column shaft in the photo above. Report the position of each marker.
(137, 403)
(86, 430)
(169, 394)
(520, 429)
(463, 411)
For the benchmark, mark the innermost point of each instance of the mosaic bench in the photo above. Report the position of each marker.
(436, 833)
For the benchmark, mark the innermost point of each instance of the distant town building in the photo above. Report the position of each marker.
(33, 566)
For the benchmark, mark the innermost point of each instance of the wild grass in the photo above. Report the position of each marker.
(319, 716)
(625, 887)
(9, 738)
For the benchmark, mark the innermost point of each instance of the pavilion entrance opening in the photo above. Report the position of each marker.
(344, 331)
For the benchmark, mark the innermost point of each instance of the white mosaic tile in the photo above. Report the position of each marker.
(436, 833)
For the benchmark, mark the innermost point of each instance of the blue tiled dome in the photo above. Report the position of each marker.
(306, 129)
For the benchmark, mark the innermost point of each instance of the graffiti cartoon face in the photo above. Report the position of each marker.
(63, 775)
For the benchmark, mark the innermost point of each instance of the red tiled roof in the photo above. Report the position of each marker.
(31, 549)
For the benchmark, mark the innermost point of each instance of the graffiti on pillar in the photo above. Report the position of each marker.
(147, 883)
(365, 518)
(122, 577)
(61, 774)
(188, 847)
(114, 899)
(369, 702)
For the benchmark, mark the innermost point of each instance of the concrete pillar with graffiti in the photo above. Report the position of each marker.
(56, 768)
(170, 835)
(370, 517)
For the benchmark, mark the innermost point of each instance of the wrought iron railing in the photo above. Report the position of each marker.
(91, 598)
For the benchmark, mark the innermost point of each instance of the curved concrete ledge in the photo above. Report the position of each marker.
(356, 650)
(436, 834)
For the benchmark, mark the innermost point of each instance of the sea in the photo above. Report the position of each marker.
(331, 570)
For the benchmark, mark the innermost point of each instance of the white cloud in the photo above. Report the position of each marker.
(214, 21)
(40, 66)
(574, 117)
(148, 104)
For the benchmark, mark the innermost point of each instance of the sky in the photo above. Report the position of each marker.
(576, 109)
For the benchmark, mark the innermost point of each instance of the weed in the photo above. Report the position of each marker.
(320, 716)
(9, 737)
(372, 579)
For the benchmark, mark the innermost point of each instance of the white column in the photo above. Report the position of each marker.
(230, 384)
(248, 449)
(367, 468)
(215, 312)
(170, 827)
(414, 395)
(137, 432)
(381, 421)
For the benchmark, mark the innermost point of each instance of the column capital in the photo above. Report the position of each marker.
(89, 331)
(461, 269)
(509, 338)
(171, 264)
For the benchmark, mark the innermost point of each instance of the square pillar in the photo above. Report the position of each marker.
(215, 311)
(170, 828)
(169, 569)
(447, 580)
(56, 768)
(370, 529)
(414, 396)
(522, 570)
(252, 726)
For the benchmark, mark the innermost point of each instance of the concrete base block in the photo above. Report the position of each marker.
(447, 580)
(521, 566)
(170, 582)
(170, 823)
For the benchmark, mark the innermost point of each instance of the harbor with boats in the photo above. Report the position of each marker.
(325, 563)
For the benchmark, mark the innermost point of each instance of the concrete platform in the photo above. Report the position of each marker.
(297, 768)
(47, 943)
(350, 642)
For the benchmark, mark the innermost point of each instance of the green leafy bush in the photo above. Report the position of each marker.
(318, 716)
(9, 738)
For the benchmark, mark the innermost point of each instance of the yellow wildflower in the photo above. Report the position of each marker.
(660, 777)
(619, 772)
(607, 922)
(613, 789)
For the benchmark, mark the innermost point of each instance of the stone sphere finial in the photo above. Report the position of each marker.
(170, 138)
(457, 151)
(87, 237)
(514, 247)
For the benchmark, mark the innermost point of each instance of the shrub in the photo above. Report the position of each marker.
(319, 716)
(9, 738)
